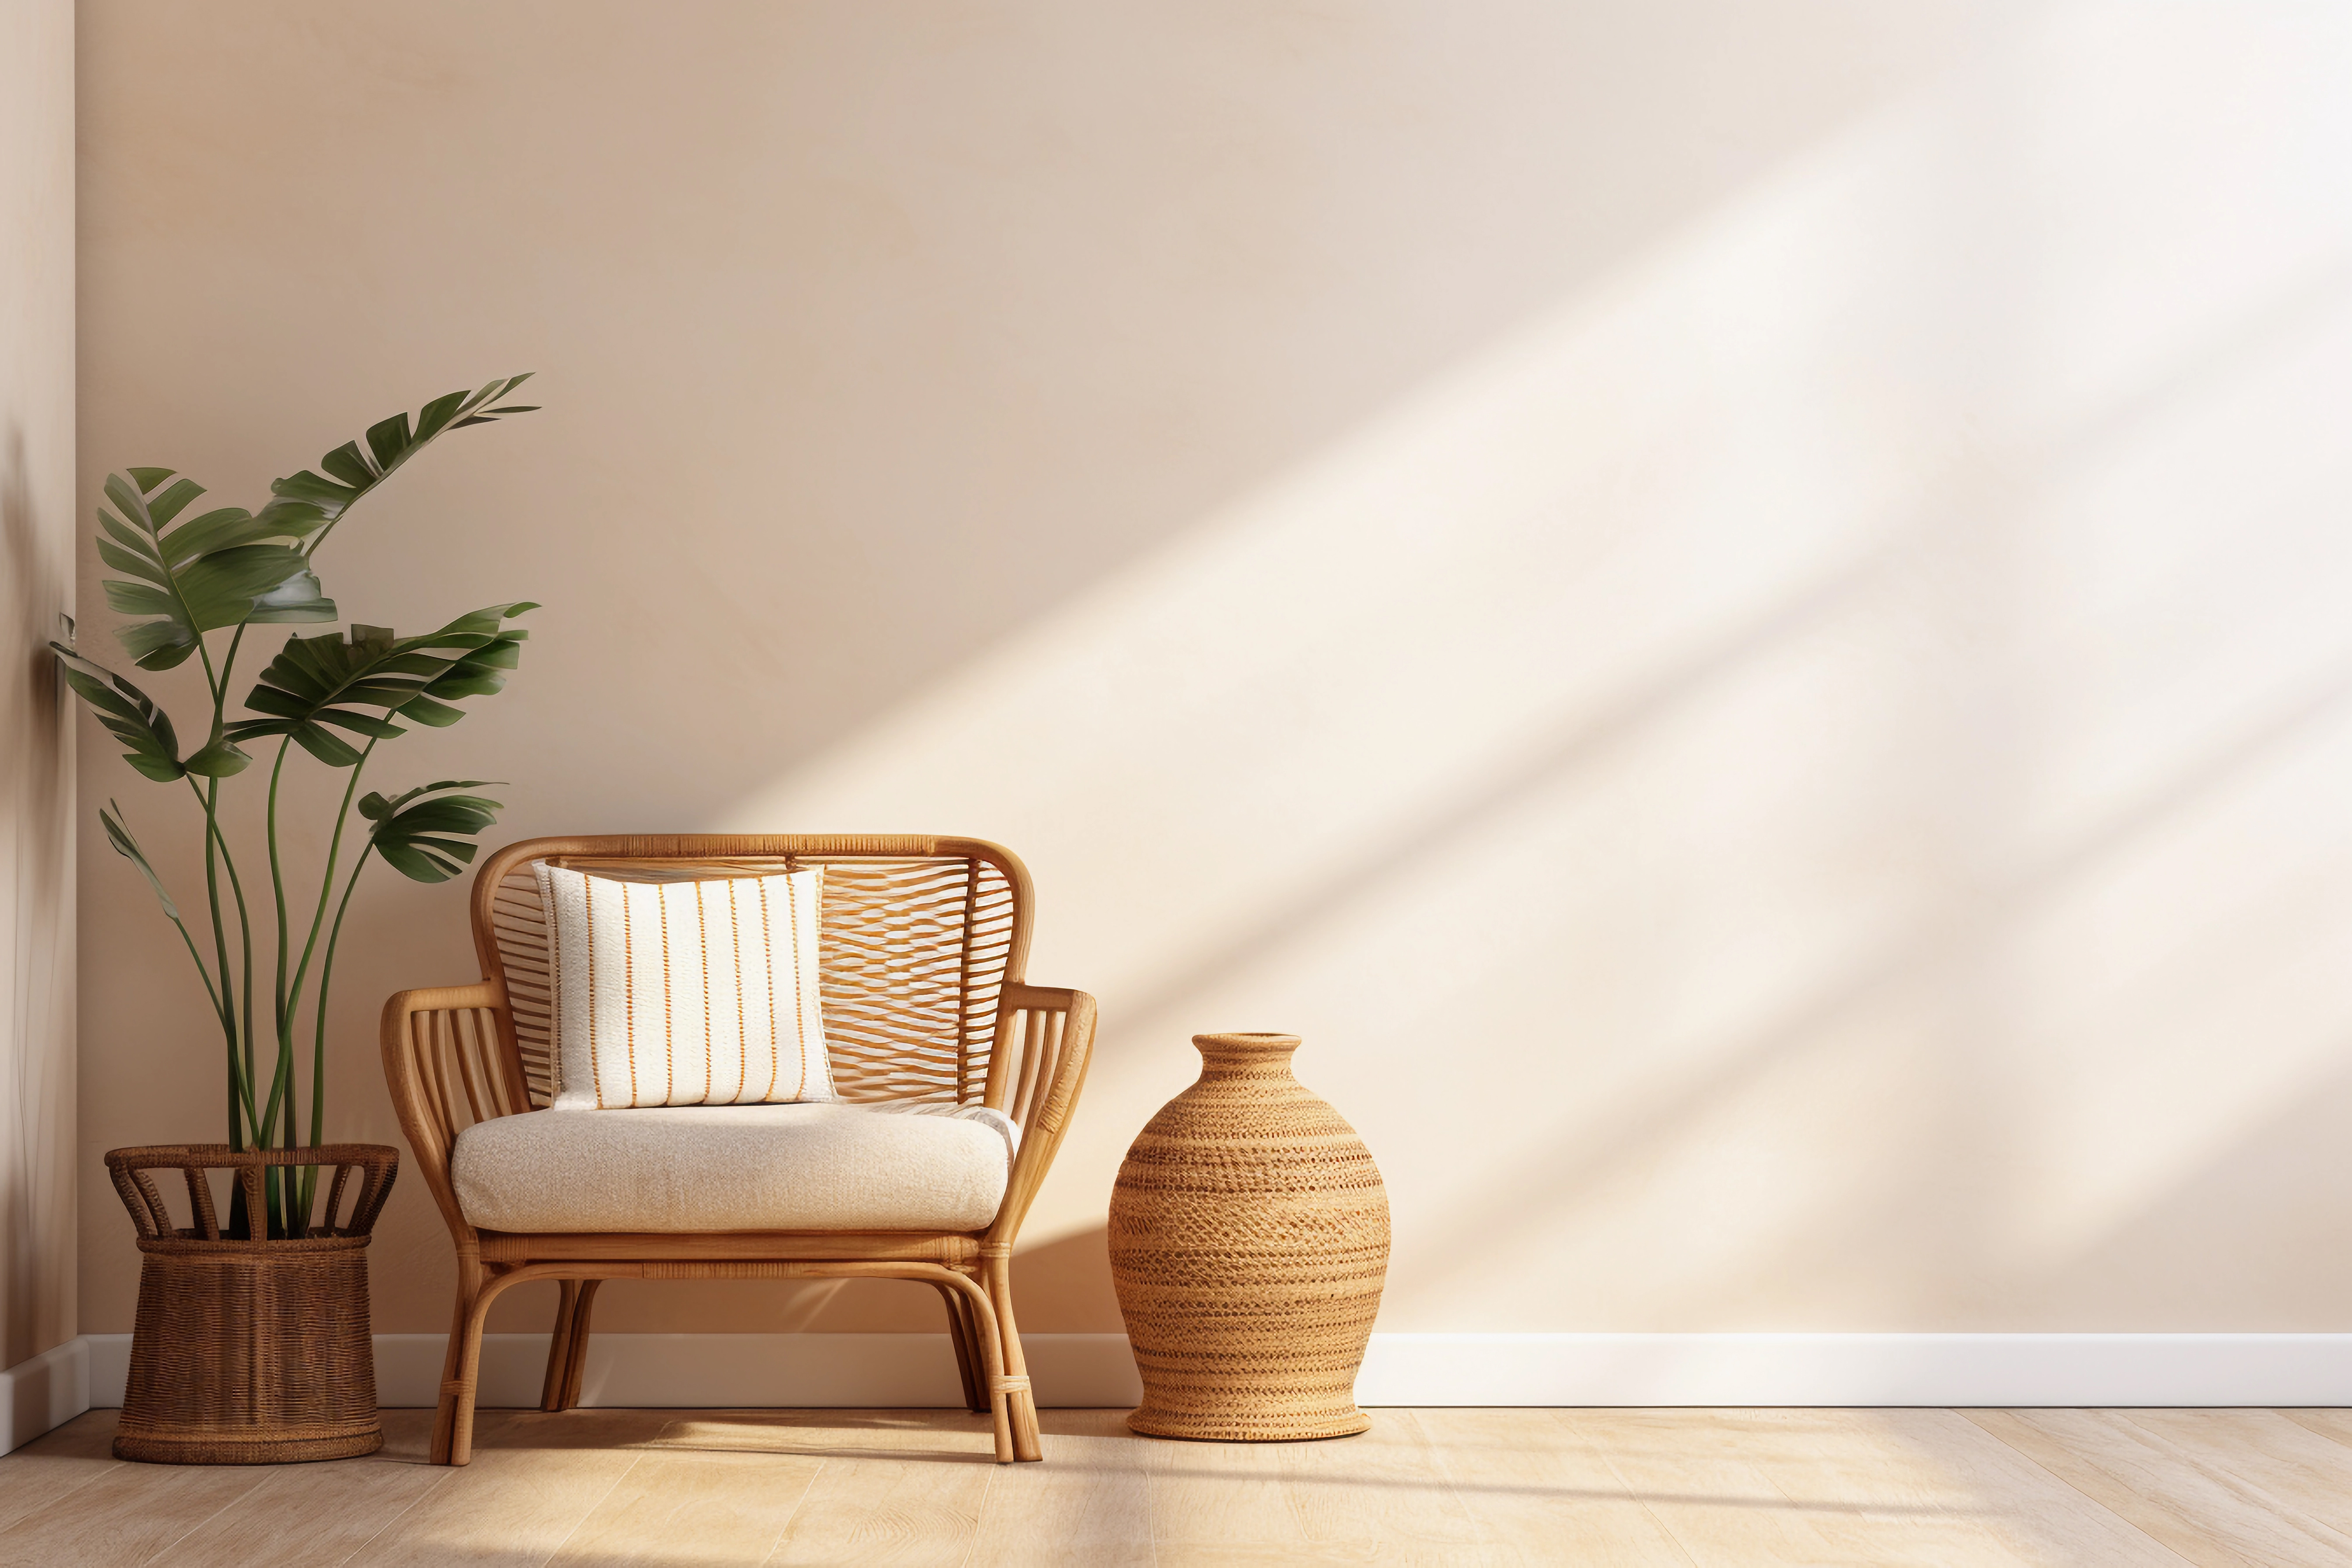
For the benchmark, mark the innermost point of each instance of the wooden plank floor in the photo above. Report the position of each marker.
(1689, 1489)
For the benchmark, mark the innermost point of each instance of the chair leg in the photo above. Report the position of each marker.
(575, 1363)
(992, 1359)
(1021, 1401)
(446, 1412)
(457, 1393)
(975, 1398)
(559, 1348)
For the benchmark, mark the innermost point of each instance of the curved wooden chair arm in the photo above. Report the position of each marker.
(1044, 1039)
(447, 1070)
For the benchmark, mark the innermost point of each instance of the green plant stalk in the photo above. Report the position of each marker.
(208, 797)
(279, 1090)
(245, 950)
(334, 852)
(302, 970)
(282, 1090)
(204, 974)
(216, 684)
(271, 1188)
(225, 1001)
(319, 1046)
(218, 681)
(244, 947)
(237, 886)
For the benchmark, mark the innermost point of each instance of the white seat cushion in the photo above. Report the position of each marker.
(809, 1166)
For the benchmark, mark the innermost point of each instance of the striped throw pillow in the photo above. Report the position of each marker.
(684, 993)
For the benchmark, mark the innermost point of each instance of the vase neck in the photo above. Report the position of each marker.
(1245, 1055)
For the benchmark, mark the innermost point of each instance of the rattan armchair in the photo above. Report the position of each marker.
(923, 945)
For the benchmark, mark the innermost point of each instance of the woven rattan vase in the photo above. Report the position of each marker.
(251, 1352)
(1249, 1239)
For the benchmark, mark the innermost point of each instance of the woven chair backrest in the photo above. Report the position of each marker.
(919, 936)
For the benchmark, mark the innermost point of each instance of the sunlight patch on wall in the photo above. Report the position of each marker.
(1809, 784)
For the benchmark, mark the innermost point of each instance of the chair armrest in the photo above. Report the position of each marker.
(1044, 1039)
(448, 1067)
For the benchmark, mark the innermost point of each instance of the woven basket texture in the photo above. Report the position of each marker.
(1249, 1240)
(245, 1351)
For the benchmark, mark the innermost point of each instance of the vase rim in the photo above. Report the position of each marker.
(1247, 1037)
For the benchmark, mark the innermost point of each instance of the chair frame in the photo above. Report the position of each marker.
(452, 1058)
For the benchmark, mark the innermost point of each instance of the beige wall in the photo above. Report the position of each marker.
(1737, 611)
(36, 587)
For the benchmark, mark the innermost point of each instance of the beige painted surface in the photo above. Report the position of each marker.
(37, 1274)
(1737, 612)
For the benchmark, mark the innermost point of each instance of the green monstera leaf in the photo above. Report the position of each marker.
(315, 502)
(315, 682)
(150, 743)
(118, 836)
(220, 569)
(229, 567)
(413, 831)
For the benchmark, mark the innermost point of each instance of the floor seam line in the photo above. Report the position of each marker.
(157, 1556)
(2249, 1491)
(784, 1529)
(979, 1517)
(590, 1511)
(1444, 1472)
(111, 1466)
(2131, 1524)
(396, 1518)
(1640, 1501)
(2287, 1412)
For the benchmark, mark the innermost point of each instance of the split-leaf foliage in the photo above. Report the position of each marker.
(182, 577)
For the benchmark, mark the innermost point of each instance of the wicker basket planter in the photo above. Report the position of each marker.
(1249, 1240)
(251, 1352)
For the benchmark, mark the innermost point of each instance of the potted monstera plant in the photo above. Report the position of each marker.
(252, 1341)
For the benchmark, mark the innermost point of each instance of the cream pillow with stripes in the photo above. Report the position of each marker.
(679, 992)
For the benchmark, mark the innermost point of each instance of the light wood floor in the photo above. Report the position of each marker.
(1687, 1487)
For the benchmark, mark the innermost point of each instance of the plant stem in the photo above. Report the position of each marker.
(319, 1046)
(217, 682)
(279, 1090)
(309, 947)
(225, 1001)
(327, 882)
(281, 1079)
(209, 990)
(245, 950)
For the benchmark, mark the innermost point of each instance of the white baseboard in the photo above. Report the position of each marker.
(906, 1371)
(46, 1391)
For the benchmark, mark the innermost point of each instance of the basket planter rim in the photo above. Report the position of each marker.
(134, 1169)
(187, 1244)
(220, 1156)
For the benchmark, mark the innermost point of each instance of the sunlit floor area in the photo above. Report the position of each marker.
(1947, 1488)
